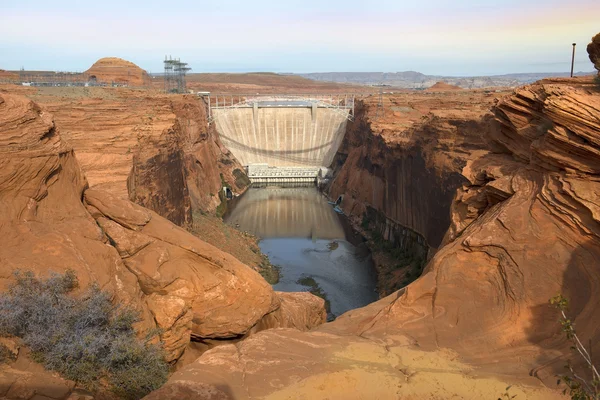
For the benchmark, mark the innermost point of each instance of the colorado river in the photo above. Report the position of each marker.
(302, 234)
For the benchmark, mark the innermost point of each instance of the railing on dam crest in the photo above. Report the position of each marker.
(344, 103)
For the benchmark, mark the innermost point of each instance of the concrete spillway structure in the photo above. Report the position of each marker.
(283, 133)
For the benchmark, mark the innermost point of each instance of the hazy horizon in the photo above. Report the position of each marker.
(468, 38)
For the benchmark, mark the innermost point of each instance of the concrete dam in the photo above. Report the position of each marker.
(282, 138)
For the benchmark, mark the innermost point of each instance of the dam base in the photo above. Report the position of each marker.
(265, 174)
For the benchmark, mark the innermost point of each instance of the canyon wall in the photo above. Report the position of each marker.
(185, 168)
(154, 149)
(398, 169)
(409, 170)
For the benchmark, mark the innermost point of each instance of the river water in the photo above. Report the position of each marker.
(302, 235)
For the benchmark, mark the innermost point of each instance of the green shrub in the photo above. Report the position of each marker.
(87, 339)
(578, 387)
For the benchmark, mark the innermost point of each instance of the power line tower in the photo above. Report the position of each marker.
(174, 75)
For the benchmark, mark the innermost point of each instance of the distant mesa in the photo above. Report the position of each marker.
(117, 70)
(442, 87)
(8, 76)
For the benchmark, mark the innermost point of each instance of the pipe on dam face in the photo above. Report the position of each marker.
(282, 137)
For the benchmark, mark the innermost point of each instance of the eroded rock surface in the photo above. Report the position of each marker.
(288, 364)
(50, 223)
(154, 149)
(44, 225)
(185, 278)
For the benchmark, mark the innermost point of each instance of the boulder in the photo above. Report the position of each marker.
(302, 310)
(216, 295)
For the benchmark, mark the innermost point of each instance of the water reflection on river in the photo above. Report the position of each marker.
(302, 235)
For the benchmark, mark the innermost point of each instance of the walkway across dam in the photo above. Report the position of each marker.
(297, 133)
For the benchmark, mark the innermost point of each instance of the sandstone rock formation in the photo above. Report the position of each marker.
(23, 379)
(116, 70)
(442, 87)
(43, 223)
(50, 222)
(189, 283)
(593, 49)
(302, 311)
(157, 150)
(410, 166)
(398, 173)
(524, 227)
(183, 170)
(282, 364)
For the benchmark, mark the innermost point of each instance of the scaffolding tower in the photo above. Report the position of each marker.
(174, 75)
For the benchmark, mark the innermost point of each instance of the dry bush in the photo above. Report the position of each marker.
(87, 339)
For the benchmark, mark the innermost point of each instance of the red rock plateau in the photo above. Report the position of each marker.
(116, 70)
(264, 83)
(51, 221)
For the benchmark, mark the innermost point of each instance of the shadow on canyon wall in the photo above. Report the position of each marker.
(545, 330)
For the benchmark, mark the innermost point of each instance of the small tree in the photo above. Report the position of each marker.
(579, 388)
(593, 49)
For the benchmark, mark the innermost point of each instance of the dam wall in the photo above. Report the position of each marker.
(282, 136)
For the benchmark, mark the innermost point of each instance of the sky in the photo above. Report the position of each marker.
(437, 37)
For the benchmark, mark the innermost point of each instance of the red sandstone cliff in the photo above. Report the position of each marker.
(184, 169)
(154, 149)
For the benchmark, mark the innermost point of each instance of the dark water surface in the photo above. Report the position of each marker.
(302, 235)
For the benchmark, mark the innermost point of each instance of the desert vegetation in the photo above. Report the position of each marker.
(86, 338)
(580, 386)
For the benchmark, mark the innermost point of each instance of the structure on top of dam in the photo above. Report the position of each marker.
(282, 138)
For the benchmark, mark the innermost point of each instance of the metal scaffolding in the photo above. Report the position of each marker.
(174, 75)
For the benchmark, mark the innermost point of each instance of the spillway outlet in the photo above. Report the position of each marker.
(265, 174)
